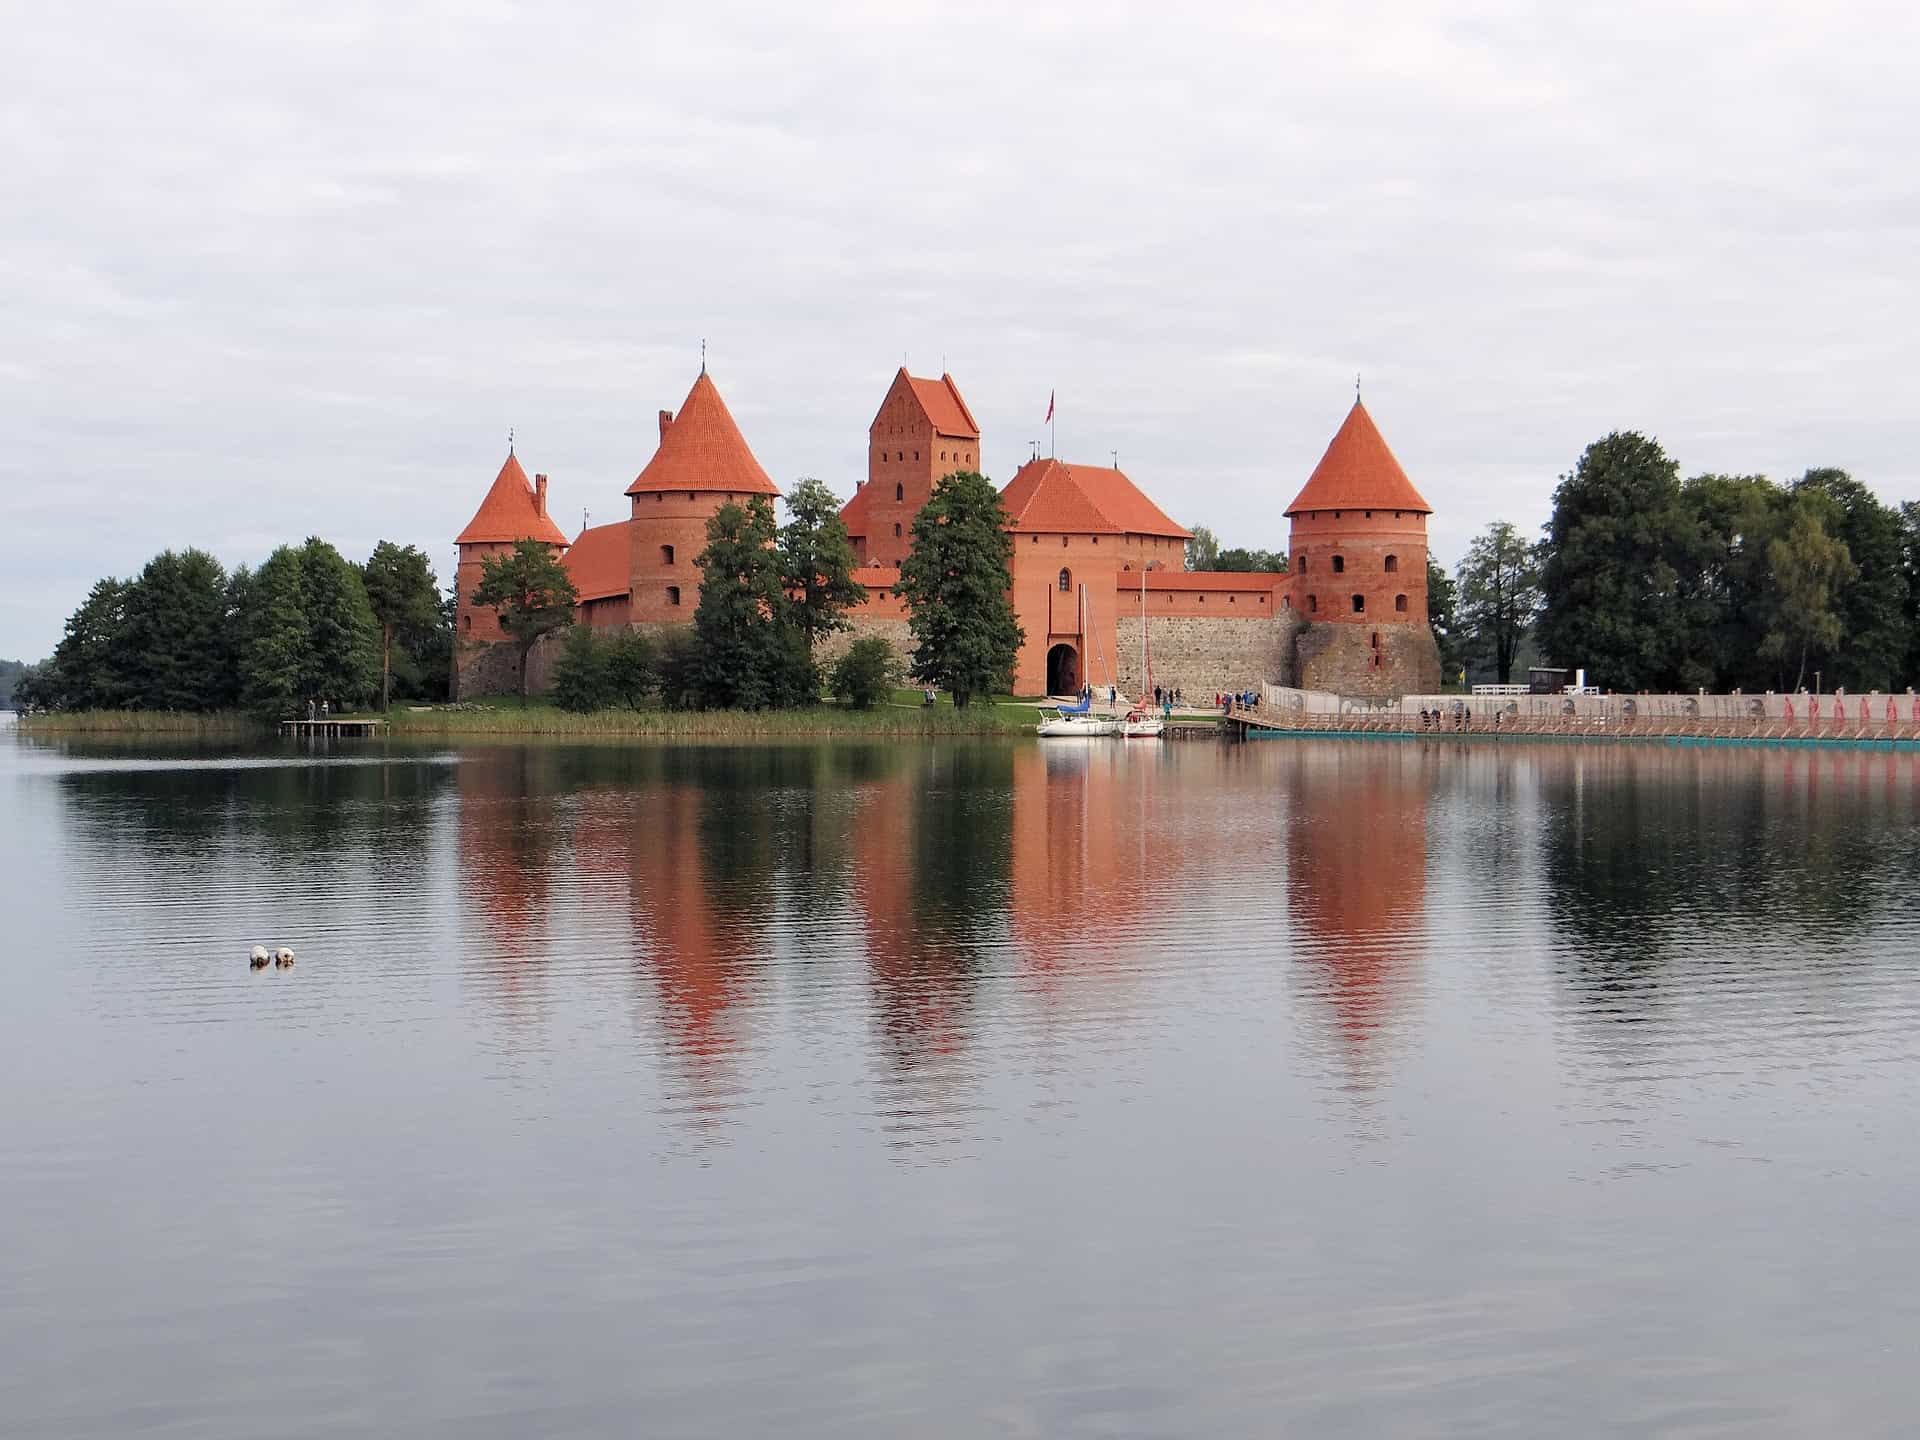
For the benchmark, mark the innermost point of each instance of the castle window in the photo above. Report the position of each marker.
(1063, 542)
(659, 496)
(1359, 604)
(1400, 603)
(1393, 563)
(969, 457)
(1096, 539)
(1339, 564)
(896, 529)
(899, 454)
(1303, 562)
(673, 594)
(1313, 603)
(1066, 581)
(666, 554)
(1375, 642)
(466, 622)
(943, 454)
(916, 454)
(899, 492)
(1369, 514)
(1286, 602)
(1036, 539)
(689, 494)
(1233, 599)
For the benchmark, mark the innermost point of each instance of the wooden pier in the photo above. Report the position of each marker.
(1246, 721)
(362, 728)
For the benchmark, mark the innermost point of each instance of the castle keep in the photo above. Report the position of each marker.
(1094, 559)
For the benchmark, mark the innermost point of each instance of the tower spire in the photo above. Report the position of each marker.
(703, 354)
(509, 439)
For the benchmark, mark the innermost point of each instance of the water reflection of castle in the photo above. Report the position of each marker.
(939, 888)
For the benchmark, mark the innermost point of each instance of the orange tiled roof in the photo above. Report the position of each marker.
(509, 513)
(853, 514)
(1358, 472)
(1053, 496)
(941, 400)
(601, 561)
(703, 450)
(1202, 580)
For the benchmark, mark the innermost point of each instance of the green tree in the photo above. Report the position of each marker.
(754, 655)
(1611, 582)
(632, 667)
(532, 593)
(343, 656)
(176, 634)
(1203, 550)
(1499, 596)
(864, 676)
(276, 658)
(1812, 569)
(817, 561)
(679, 668)
(91, 667)
(1243, 561)
(580, 674)
(1729, 589)
(1871, 651)
(404, 595)
(1442, 620)
(955, 583)
(1910, 569)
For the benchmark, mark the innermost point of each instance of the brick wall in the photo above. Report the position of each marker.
(1343, 659)
(1203, 656)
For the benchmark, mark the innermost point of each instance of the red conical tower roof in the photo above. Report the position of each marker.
(511, 511)
(1358, 472)
(702, 449)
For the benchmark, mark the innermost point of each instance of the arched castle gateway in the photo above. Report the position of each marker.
(1094, 558)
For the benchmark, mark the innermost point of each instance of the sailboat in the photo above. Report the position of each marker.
(1140, 722)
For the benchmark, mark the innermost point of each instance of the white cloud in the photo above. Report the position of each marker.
(270, 271)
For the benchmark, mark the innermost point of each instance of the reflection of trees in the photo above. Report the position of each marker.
(1649, 852)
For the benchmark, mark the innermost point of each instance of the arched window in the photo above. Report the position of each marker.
(1286, 602)
(943, 454)
(899, 492)
(916, 454)
(673, 594)
(899, 454)
(1359, 604)
(1339, 564)
(969, 457)
(466, 622)
(1303, 562)
(1393, 563)
(896, 529)
(1400, 603)
(1313, 603)
(666, 554)
(1066, 580)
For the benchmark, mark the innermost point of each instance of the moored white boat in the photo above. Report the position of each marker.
(1142, 725)
(1067, 725)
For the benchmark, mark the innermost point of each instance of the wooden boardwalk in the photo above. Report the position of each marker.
(1256, 721)
(359, 729)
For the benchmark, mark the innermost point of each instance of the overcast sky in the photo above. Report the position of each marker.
(270, 271)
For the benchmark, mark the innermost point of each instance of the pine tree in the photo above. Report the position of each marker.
(91, 666)
(817, 561)
(176, 634)
(403, 595)
(754, 655)
(275, 662)
(344, 658)
(955, 583)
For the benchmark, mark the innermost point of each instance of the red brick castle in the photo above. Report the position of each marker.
(1094, 558)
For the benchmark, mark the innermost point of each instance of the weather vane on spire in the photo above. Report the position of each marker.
(703, 354)
(1356, 387)
(509, 439)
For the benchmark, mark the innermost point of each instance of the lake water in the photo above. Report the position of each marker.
(1318, 1088)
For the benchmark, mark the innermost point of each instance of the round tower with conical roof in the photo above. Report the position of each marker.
(514, 509)
(703, 463)
(1358, 571)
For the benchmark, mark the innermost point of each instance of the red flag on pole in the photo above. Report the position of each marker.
(1049, 419)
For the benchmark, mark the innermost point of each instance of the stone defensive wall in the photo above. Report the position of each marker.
(1201, 656)
(1768, 718)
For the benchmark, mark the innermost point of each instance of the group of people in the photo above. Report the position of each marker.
(1227, 699)
(1459, 718)
(1167, 696)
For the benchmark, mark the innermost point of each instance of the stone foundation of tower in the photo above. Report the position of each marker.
(1382, 661)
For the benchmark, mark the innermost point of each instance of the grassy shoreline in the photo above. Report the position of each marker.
(905, 716)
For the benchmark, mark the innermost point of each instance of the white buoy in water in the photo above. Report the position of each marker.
(283, 957)
(259, 956)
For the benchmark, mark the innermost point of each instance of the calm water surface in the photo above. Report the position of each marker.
(954, 1090)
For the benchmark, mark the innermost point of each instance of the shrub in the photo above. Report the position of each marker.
(632, 668)
(865, 675)
(580, 676)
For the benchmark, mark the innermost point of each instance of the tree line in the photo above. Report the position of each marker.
(308, 625)
(1716, 582)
